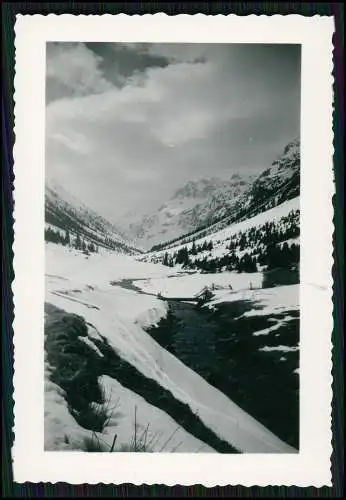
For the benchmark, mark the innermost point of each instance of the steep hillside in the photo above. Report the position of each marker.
(266, 241)
(274, 186)
(279, 183)
(69, 221)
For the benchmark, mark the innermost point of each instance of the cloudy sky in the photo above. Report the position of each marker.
(128, 124)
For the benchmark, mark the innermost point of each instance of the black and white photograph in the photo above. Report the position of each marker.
(173, 250)
(172, 230)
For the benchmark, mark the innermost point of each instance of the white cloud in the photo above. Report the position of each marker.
(75, 68)
(72, 140)
(113, 146)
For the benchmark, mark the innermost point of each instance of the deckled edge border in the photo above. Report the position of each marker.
(13, 286)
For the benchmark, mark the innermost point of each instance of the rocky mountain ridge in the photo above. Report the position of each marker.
(216, 203)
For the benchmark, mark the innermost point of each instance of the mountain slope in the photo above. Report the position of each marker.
(65, 213)
(274, 186)
(196, 203)
(265, 242)
(279, 183)
(217, 203)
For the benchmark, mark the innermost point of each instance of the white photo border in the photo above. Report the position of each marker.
(312, 465)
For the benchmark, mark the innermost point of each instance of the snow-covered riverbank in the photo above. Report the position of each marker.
(79, 284)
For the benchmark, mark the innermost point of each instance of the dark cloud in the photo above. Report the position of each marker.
(119, 62)
(127, 124)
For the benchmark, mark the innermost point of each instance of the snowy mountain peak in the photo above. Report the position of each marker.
(192, 205)
(285, 169)
(199, 189)
(243, 196)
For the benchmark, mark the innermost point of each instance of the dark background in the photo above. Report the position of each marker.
(9, 11)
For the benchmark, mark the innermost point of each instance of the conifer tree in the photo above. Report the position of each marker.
(67, 238)
(78, 242)
(165, 259)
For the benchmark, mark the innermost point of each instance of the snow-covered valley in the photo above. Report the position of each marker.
(149, 393)
(191, 346)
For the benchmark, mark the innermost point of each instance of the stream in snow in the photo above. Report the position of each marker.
(252, 369)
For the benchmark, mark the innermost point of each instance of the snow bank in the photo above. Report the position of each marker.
(91, 344)
(61, 431)
(189, 285)
(279, 323)
(267, 300)
(119, 315)
(86, 281)
(97, 269)
(280, 348)
(219, 413)
(151, 317)
(162, 432)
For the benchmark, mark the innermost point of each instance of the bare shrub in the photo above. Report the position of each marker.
(93, 444)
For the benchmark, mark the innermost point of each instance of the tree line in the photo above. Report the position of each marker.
(267, 234)
(271, 257)
(55, 236)
(264, 246)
